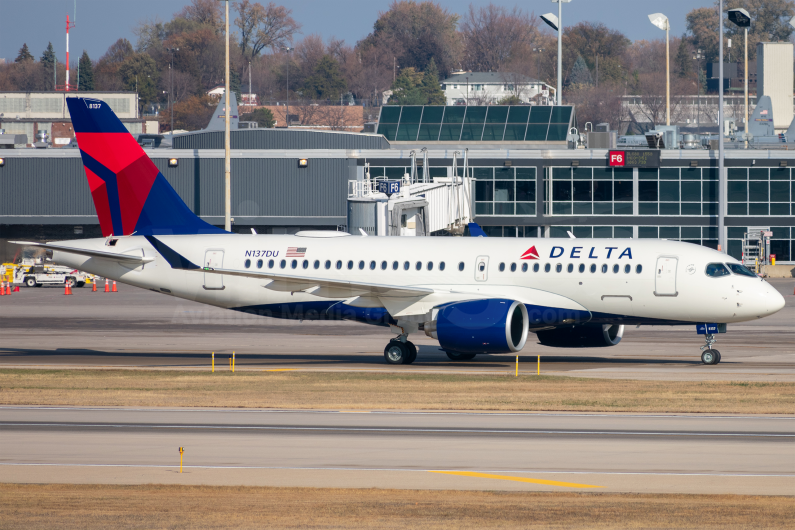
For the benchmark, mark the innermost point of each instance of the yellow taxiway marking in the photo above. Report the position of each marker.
(516, 479)
(281, 370)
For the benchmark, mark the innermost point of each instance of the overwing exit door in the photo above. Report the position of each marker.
(213, 259)
(665, 276)
(482, 269)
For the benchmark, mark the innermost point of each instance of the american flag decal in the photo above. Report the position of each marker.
(296, 252)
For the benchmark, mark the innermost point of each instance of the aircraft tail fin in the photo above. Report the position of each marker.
(130, 194)
(761, 121)
(217, 122)
(476, 231)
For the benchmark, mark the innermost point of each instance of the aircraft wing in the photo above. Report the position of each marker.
(113, 256)
(323, 287)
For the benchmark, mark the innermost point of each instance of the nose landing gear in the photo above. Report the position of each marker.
(710, 355)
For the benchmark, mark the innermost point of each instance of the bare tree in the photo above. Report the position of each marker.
(493, 35)
(263, 27)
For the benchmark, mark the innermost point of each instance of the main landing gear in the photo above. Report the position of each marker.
(400, 351)
(709, 355)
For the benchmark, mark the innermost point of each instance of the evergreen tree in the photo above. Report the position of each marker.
(580, 74)
(683, 58)
(234, 84)
(86, 73)
(24, 54)
(140, 71)
(326, 82)
(48, 63)
(263, 116)
(406, 89)
(431, 87)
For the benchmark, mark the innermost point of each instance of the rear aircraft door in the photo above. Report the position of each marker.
(213, 259)
(482, 269)
(665, 276)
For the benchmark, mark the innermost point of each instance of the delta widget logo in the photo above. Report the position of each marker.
(530, 253)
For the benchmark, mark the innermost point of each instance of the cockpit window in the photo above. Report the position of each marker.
(740, 270)
(716, 270)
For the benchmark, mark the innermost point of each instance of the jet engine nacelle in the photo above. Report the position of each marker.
(582, 336)
(480, 326)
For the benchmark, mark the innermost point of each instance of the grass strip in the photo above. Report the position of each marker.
(317, 390)
(64, 507)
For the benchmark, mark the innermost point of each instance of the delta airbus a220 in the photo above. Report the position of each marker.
(474, 295)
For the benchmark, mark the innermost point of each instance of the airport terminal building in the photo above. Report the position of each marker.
(526, 180)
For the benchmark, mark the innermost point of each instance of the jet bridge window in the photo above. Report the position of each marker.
(741, 270)
(716, 270)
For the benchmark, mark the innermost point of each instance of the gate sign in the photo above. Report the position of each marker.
(635, 158)
(617, 158)
(389, 187)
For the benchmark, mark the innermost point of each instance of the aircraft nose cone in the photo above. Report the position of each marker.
(775, 302)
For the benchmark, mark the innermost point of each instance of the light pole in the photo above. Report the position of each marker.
(661, 21)
(556, 23)
(721, 176)
(697, 57)
(467, 100)
(287, 114)
(171, 88)
(227, 134)
(742, 19)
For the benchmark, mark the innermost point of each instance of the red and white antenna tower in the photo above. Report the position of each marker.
(67, 87)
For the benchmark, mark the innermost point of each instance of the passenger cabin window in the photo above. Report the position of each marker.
(383, 265)
(581, 268)
(406, 265)
(604, 268)
(502, 267)
(627, 268)
(615, 268)
(361, 264)
(294, 263)
(247, 263)
(593, 268)
(638, 269)
(306, 264)
(430, 265)
(558, 267)
(283, 263)
(536, 267)
(716, 270)
(418, 266)
(513, 267)
(350, 264)
(461, 266)
(570, 268)
(259, 263)
(395, 265)
(317, 264)
(339, 264)
(372, 265)
(481, 267)
(547, 267)
(270, 263)
(441, 265)
(524, 267)
(741, 270)
(328, 263)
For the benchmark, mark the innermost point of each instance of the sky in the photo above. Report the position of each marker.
(101, 22)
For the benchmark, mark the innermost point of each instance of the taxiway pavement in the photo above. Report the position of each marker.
(139, 329)
(427, 450)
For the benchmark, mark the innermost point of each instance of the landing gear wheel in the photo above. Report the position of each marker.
(710, 357)
(454, 356)
(412, 356)
(396, 353)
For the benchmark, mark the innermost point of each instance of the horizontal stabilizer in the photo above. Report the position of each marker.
(112, 256)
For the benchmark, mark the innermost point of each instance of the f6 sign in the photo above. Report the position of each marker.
(617, 158)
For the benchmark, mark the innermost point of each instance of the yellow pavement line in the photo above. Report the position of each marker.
(281, 370)
(516, 479)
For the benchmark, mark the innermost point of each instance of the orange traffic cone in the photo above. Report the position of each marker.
(2, 289)
(107, 286)
(8, 288)
(67, 288)
(114, 287)
(94, 286)
(16, 288)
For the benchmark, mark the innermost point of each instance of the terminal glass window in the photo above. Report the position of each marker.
(474, 123)
(678, 191)
(782, 244)
(599, 232)
(760, 191)
(505, 190)
(706, 236)
(590, 191)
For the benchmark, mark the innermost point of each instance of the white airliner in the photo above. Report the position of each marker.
(474, 295)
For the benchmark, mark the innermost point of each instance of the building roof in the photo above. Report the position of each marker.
(483, 78)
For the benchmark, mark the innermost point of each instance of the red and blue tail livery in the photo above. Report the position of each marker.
(130, 194)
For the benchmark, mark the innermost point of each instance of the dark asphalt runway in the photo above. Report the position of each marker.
(552, 452)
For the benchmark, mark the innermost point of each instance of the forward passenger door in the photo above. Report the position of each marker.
(665, 276)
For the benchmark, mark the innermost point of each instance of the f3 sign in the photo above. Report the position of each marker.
(617, 158)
